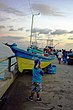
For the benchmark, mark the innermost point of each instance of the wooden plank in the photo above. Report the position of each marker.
(3, 59)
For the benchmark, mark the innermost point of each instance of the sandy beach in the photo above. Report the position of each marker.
(57, 91)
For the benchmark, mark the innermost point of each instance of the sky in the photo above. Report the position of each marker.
(55, 21)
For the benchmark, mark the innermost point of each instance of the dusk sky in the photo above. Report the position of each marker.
(54, 22)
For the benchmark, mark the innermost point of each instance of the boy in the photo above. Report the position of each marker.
(37, 74)
(60, 55)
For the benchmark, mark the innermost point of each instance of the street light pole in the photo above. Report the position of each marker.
(31, 30)
(32, 27)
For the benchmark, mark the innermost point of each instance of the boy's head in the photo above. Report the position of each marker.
(37, 63)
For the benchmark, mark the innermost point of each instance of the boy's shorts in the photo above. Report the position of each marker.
(36, 87)
(59, 59)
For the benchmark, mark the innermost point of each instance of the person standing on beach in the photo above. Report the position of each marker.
(64, 56)
(37, 74)
(60, 55)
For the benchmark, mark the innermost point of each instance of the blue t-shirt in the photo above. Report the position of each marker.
(37, 75)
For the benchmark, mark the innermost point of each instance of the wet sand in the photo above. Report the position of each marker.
(57, 91)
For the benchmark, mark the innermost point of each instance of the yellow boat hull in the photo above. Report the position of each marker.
(27, 64)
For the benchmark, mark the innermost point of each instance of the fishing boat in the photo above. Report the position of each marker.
(35, 49)
(25, 59)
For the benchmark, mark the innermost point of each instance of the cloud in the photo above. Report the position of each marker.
(12, 29)
(10, 26)
(71, 32)
(19, 29)
(4, 19)
(2, 27)
(7, 9)
(59, 32)
(47, 31)
(40, 31)
(46, 10)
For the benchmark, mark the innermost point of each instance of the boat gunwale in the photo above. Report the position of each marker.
(14, 48)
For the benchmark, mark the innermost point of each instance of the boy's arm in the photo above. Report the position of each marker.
(42, 73)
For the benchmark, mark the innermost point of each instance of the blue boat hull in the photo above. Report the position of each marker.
(25, 60)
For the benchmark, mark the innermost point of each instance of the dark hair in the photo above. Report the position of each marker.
(37, 61)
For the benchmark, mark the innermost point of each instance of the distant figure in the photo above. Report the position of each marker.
(60, 55)
(70, 50)
(37, 74)
(64, 56)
